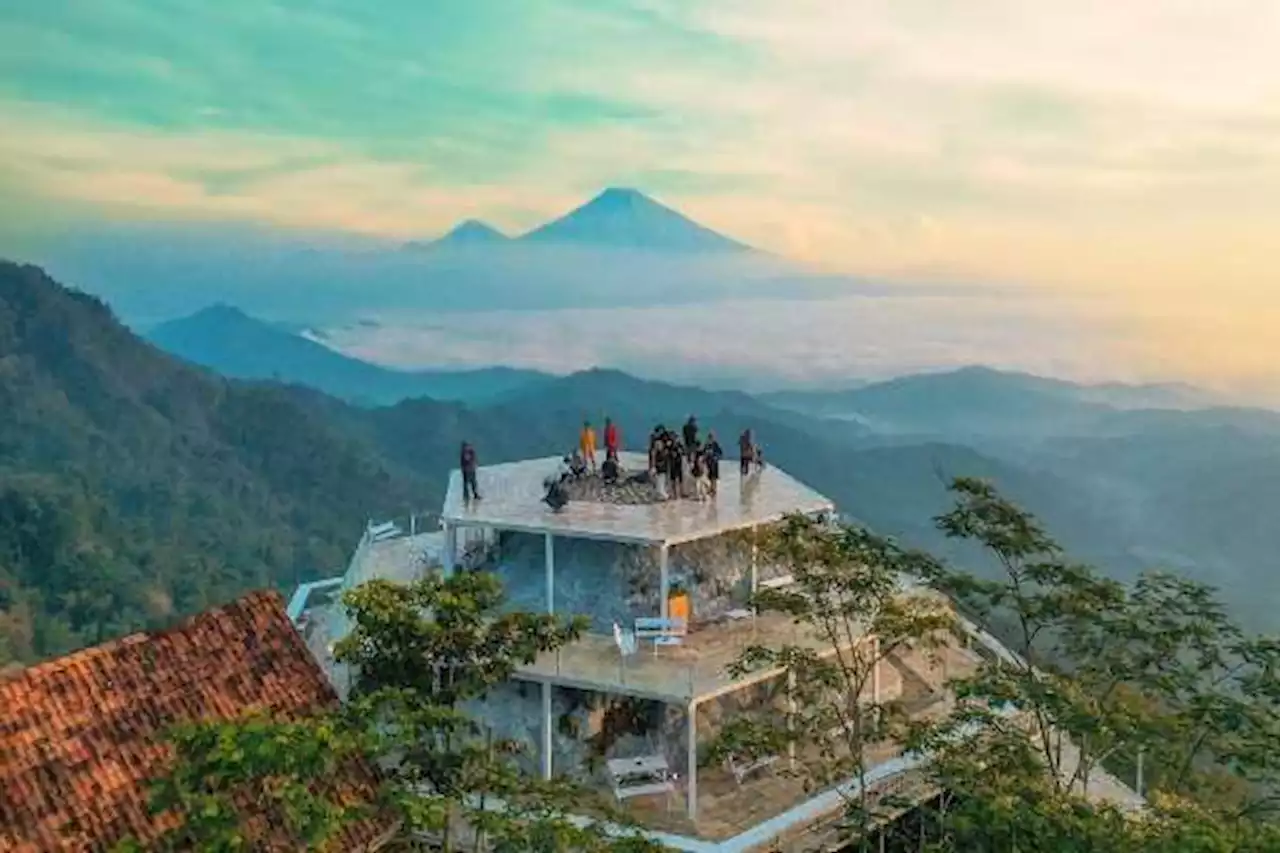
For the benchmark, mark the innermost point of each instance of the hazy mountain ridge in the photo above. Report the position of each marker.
(619, 249)
(227, 340)
(982, 401)
(136, 486)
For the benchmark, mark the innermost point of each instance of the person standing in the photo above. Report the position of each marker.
(587, 444)
(698, 471)
(655, 442)
(658, 461)
(690, 436)
(467, 461)
(713, 453)
(610, 440)
(746, 452)
(675, 467)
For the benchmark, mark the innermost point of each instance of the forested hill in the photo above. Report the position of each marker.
(134, 487)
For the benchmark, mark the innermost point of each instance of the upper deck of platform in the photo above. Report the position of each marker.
(511, 499)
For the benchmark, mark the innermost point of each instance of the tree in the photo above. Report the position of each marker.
(1100, 672)
(239, 785)
(419, 653)
(848, 594)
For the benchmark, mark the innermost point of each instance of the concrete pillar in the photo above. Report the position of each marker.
(691, 789)
(791, 725)
(755, 558)
(450, 555)
(550, 550)
(664, 583)
(546, 730)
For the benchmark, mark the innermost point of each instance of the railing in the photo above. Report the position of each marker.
(697, 667)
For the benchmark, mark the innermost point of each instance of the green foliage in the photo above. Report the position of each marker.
(135, 488)
(419, 652)
(464, 646)
(236, 785)
(846, 594)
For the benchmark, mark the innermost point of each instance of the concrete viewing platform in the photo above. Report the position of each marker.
(512, 493)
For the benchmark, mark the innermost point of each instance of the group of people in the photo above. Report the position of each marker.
(680, 465)
(671, 456)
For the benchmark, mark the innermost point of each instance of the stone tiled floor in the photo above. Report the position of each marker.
(512, 499)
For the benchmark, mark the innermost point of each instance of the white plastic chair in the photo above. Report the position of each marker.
(626, 641)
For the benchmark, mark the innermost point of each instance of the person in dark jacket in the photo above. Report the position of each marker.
(746, 452)
(690, 435)
(467, 461)
(655, 442)
(713, 453)
(675, 467)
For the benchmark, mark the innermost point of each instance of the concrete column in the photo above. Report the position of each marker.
(755, 558)
(691, 790)
(550, 549)
(546, 730)
(450, 555)
(791, 712)
(664, 583)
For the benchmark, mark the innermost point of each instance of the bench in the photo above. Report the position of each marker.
(661, 632)
(386, 530)
(641, 776)
(741, 771)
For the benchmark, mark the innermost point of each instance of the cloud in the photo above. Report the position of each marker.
(767, 343)
(1130, 148)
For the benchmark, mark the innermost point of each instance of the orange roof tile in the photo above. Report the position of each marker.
(82, 736)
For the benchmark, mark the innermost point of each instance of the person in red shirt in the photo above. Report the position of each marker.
(610, 439)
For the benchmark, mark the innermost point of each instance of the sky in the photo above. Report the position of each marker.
(1126, 150)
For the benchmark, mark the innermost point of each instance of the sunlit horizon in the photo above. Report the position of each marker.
(1124, 156)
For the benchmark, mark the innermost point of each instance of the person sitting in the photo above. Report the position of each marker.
(609, 470)
(577, 466)
(557, 496)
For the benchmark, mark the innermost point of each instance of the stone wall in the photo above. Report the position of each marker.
(613, 582)
(588, 728)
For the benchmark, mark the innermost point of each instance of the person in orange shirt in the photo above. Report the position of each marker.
(587, 444)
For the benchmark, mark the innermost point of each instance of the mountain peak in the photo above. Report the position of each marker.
(471, 231)
(622, 217)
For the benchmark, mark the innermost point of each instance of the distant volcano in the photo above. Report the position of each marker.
(471, 232)
(617, 218)
(628, 219)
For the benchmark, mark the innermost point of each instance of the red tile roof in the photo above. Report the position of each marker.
(82, 736)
